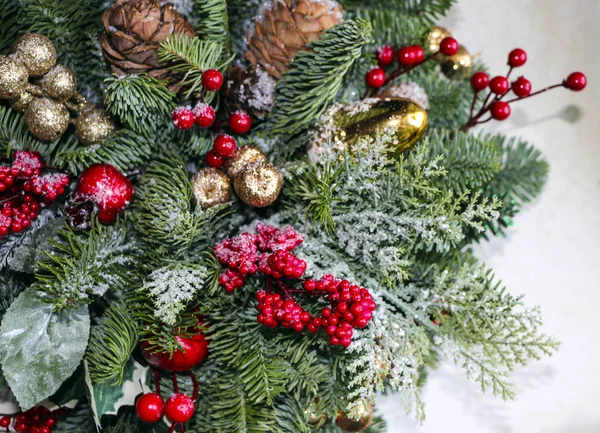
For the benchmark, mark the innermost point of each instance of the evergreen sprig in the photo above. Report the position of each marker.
(426, 10)
(214, 22)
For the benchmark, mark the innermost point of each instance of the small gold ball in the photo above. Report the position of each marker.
(315, 413)
(36, 52)
(242, 157)
(458, 66)
(13, 77)
(59, 83)
(46, 119)
(21, 102)
(258, 185)
(211, 187)
(93, 126)
(355, 426)
(434, 37)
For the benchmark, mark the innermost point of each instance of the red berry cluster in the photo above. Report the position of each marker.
(179, 408)
(500, 86)
(38, 419)
(25, 190)
(273, 310)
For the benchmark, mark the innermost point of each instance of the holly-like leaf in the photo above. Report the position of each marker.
(40, 349)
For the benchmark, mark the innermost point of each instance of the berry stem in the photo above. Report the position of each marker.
(175, 385)
(181, 430)
(510, 69)
(172, 428)
(196, 385)
(545, 89)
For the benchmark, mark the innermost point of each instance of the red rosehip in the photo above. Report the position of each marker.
(179, 408)
(500, 110)
(240, 122)
(517, 57)
(479, 81)
(521, 87)
(183, 118)
(205, 115)
(375, 78)
(385, 55)
(449, 46)
(224, 145)
(106, 186)
(150, 407)
(576, 81)
(499, 85)
(214, 160)
(212, 80)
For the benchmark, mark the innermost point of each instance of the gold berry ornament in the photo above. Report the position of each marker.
(258, 184)
(21, 102)
(93, 126)
(13, 77)
(59, 83)
(434, 37)
(210, 187)
(350, 425)
(46, 119)
(242, 157)
(36, 52)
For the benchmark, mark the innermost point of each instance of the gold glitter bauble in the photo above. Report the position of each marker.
(458, 66)
(13, 77)
(258, 185)
(435, 36)
(93, 126)
(354, 426)
(60, 83)
(21, 102)
(46, 119)
(242, 157)
(211, 187)
(36, 52)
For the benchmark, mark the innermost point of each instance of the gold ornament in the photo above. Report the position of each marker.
(93, 126)
(242, 157)
(435, 36)
(21, 102)
(36, 52)
(211, 187)
(46, 119)
(258, 185)
(59, 83)
(13, 77)
(458, 66)
(355, 426)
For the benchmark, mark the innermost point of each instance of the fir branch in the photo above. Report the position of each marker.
(10, 287)
(315, 77)
(428, 11)
(213, 22)
(392, 28)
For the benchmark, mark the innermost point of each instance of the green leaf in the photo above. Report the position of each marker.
(40, 349)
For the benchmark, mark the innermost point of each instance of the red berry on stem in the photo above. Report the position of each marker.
(480, 81)
(521, 87)
(499, 85)
(5, 421)
(375, 78)
(419, 54)
(214, 160)
(224, 145)
(50, 421)
(385, 55)
(449, 46)
(212, 80)
(21, 427)
(150, 407)
(576, 81)
(517, 57)
(500, 110)
(204, 114)
(240, 122)
(407, 56)
(183, 118)
(179, 408)
(106, 186)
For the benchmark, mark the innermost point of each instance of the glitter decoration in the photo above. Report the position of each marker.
(36, 52)
(46, 119)
(407, 90)
(435, 36)
(242, 157)
(211, 187)
(13, 77)
(59, 83)
(258, 185)
(21, 102)
(93, 126)
(351, 425)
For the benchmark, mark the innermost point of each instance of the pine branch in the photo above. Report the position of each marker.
(428, 11)
(392, 28)
(214, 22)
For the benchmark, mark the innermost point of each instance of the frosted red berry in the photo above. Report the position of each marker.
(212, 80)
(499, 85)
(576, 81)
(500, 110)
(150, 407)
(385, 55)
(449, 46)
(183, 118)
(479, 81)
(375, 78)
(224, 145)
(214, 160)
(106, 187)
(240, 122)
(204, 115)
(179, 408)
(521, 87)
(517, 57)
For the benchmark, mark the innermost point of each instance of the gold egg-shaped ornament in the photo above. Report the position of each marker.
(351, 425)
(13, 77)
(46, 119)
(60, 83)
(258, 185)
(21, 102)
(93, 126)
(37, 53)
(404, 118)
(459, 66)
(242, 157)
(434, 37)
(210, 187)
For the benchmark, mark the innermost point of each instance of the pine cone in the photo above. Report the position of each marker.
(251, 90)
(134, 31)
(286, 28)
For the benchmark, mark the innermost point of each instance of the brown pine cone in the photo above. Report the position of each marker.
(251, 90)
(286, 28)
(134, 31)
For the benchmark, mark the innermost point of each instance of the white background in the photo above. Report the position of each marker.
(552, 253)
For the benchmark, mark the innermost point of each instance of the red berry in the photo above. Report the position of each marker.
(106, 186)
(576, 81)
(449, 46)
(21, 427)
(45, 429)
(385, 55)
(521, 87)
(517, 57)
(375, 78)
(419, 54)
(212, 80)
(50, 421)
(240, 122)
(179, 408)
(205, 115)
(183, 118)
(107, 216)
(499, 85)
(407, 55)
(500, 110)
(150, 407)
(5, 421)
(224, 145)
(213, 159)
(479, 81)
